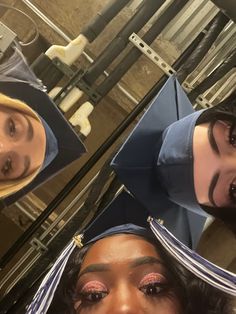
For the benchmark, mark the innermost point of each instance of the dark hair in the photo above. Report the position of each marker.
(62, 302)
(194, 295)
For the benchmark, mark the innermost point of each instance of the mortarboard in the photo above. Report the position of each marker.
(126, 215)
(156, 161)
(123, 215)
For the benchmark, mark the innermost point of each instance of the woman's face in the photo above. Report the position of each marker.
(124, 274)
(214, 149)
(22, 144)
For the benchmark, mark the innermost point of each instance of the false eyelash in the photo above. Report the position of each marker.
(232, 192)
(231, 136)
(12, 127)
(162, 288)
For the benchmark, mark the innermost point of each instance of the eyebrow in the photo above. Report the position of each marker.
(30, 130)
(106, 267)
(212, 186)
(145, 260)
(211, 138)
(93, 268)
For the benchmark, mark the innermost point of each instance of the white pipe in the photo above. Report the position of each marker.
(70, 53)
(80, 118)
(70, 99)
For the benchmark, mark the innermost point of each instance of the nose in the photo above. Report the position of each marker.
(6, 145)
(126, 300)
(2, 146)
(19, 147)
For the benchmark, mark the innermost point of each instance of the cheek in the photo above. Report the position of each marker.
(38, 130)
(37, 145)
(164, 304)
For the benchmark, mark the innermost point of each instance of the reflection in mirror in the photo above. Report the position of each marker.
(33, 146)
(22, 145)
(177, 163)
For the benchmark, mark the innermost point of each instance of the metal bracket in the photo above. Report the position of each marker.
(155, 58)
(93, 95)
(7, 36)
(78, 81)
(203, 102)
(151, 54)
(64, 68)
(38, 245)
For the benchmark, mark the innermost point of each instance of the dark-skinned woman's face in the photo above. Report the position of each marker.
(124, 274)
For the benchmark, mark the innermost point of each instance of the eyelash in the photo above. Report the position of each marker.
(11, 127)
(153, 289)
(150, 289)
(232, 192)
(93, 296)
(232, 134)
(93, 292)
(232, 141)
(7, 167)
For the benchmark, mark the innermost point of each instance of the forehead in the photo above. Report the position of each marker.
(5, 109)
(120, 248)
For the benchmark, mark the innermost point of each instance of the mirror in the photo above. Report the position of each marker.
(207, 82)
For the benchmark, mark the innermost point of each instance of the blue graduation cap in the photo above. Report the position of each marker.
(126, 215)
(122, 215)
(62, 143)
(156, 163)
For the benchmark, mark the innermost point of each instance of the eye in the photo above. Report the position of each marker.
(153, 289)
(11, 128)
(93, 291)
(232, 192)
(153, 284)
(7, 166)
(232, 135)
(93, 296)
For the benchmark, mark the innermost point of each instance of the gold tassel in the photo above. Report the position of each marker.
(78, 240)
(160, 221)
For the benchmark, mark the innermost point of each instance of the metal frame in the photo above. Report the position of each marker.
(223, 42)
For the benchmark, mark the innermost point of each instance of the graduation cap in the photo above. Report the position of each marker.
(126, 215)
(62, 143)
(156, 161)
(122, 215)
